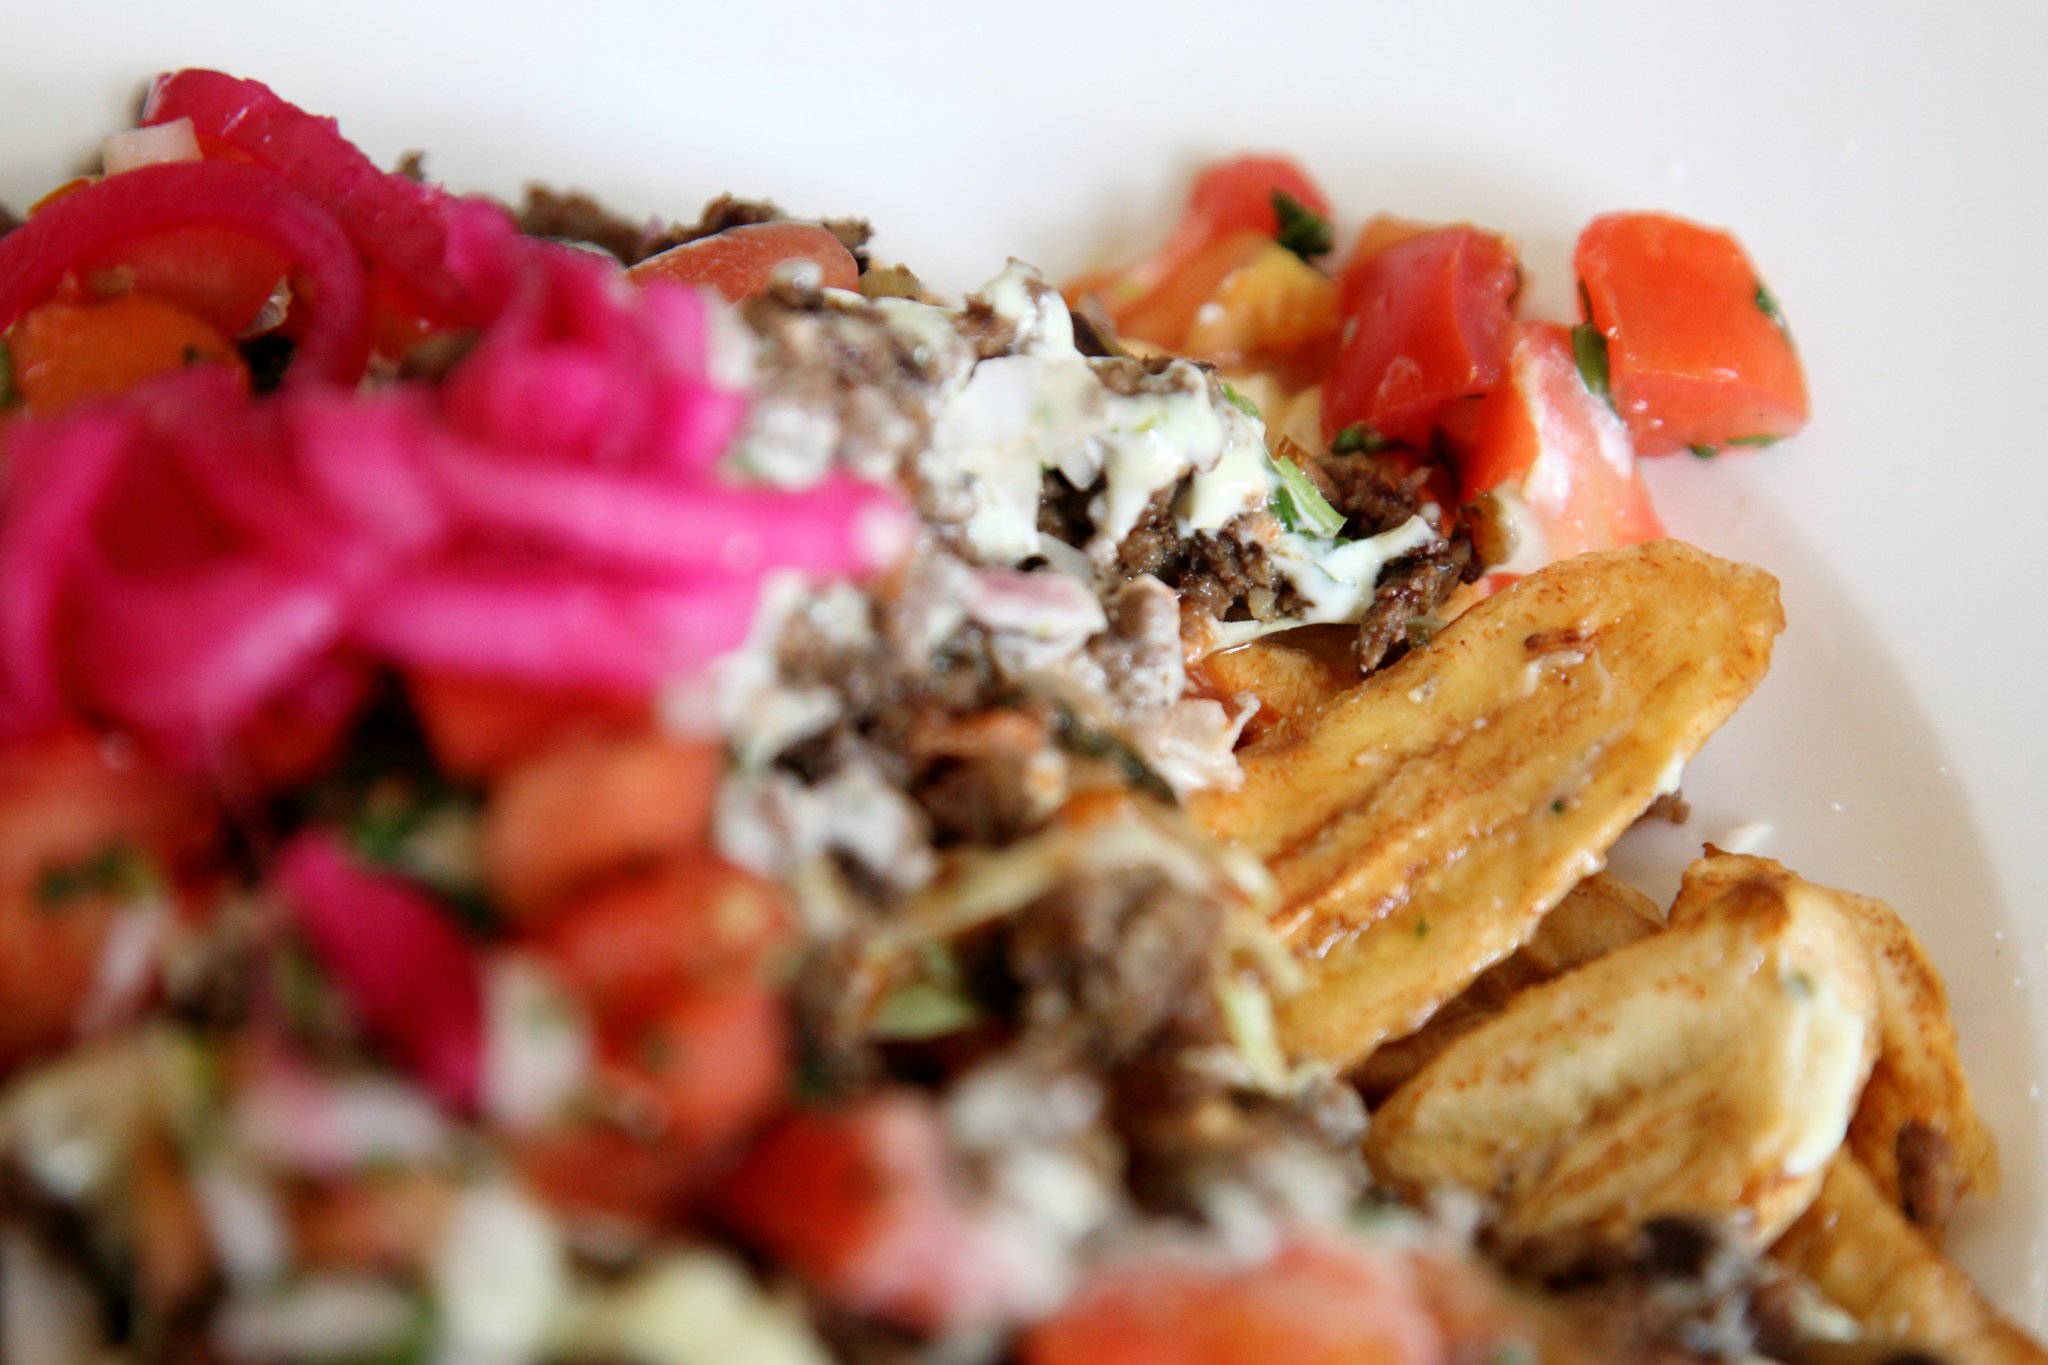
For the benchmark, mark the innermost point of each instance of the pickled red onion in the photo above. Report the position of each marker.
(223, 194)
(394, 222)
(413, 980)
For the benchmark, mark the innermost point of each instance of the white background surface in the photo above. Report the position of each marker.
(1887, 165)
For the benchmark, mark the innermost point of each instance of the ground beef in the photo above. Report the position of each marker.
(1410, 590)
(1372, 499)
(1930, 1182)
(1226, 577)
(578, 217)
(836, 387)
(1108, 962)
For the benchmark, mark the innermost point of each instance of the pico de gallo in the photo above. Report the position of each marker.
(615, 799)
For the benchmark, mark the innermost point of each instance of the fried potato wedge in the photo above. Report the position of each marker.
(1708, 1071)
(1600, 914)
(1917, 1131)
(1856, 1247)
(1420, 825)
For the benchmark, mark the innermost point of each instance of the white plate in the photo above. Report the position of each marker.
(1882, 161)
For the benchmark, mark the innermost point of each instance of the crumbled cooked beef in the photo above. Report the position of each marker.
(1228, 577)
(836, 385)
(412, 165)
(1930, 1179)
(1670, 807)
(1410, 590)
(572, 215)
(1110, 960)
(1372, 500)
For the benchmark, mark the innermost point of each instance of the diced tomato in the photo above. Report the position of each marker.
(1562, 450)
(66, 353)
(1697, 353)
(1276, 312)
(1426, 321)
(859, 1202)
(740, 261)
(222, 276)
(478, 727)
(70, 819)
(641, 939)
(1381, 231)
(591, 807)
(1229, 197)
(1164, 315)
(593, 1171)
(1315, 1303)
(706, 1067)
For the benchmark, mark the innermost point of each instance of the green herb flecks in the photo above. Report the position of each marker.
(1083, 740)
(1242, 403)
(1358, 439)
(1422, 928)
(1589, 350)
(1767, 304)
(1301, 506)
(931, 1003)
(1558, 806)
(1755, 442)
(1423, 629)
(1303, 231)
(1702, 452)
(119, 870)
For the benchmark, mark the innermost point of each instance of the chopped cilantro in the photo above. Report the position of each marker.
(1358, 439)
(1077, 736)
(1241, 403)
(1422, 928)
(923, 1009)
(1423, 629)
(118, 870)
(1301, 506)
(1585, 302)
(1767, 304)
(1303, 231)
(1801, 985)
(1557, 807)
(1754, 442)
(1589, 349)
(1703, 452)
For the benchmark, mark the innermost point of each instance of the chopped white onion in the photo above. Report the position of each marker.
(322, 1317)
(244, 1223)
(173, 141)
(537, 1044)
(304, 1121)
(500, 1276)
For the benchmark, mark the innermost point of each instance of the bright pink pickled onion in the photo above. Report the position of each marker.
(222, 194)
(362, 459)
(569, 626)
(186, 661)
(412, 978)
(53, 476)
(393, 222)
(632, 520)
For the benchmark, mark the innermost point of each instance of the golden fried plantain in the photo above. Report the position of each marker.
(1859, 1250)
(1597, 916)
(1917, 1131)
(1708, 1071)
(1420, 825)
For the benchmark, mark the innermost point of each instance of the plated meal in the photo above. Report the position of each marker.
(575, 789)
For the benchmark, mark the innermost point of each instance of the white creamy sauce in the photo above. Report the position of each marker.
(1014, 417)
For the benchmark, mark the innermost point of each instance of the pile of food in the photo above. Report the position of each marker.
(576, 790)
